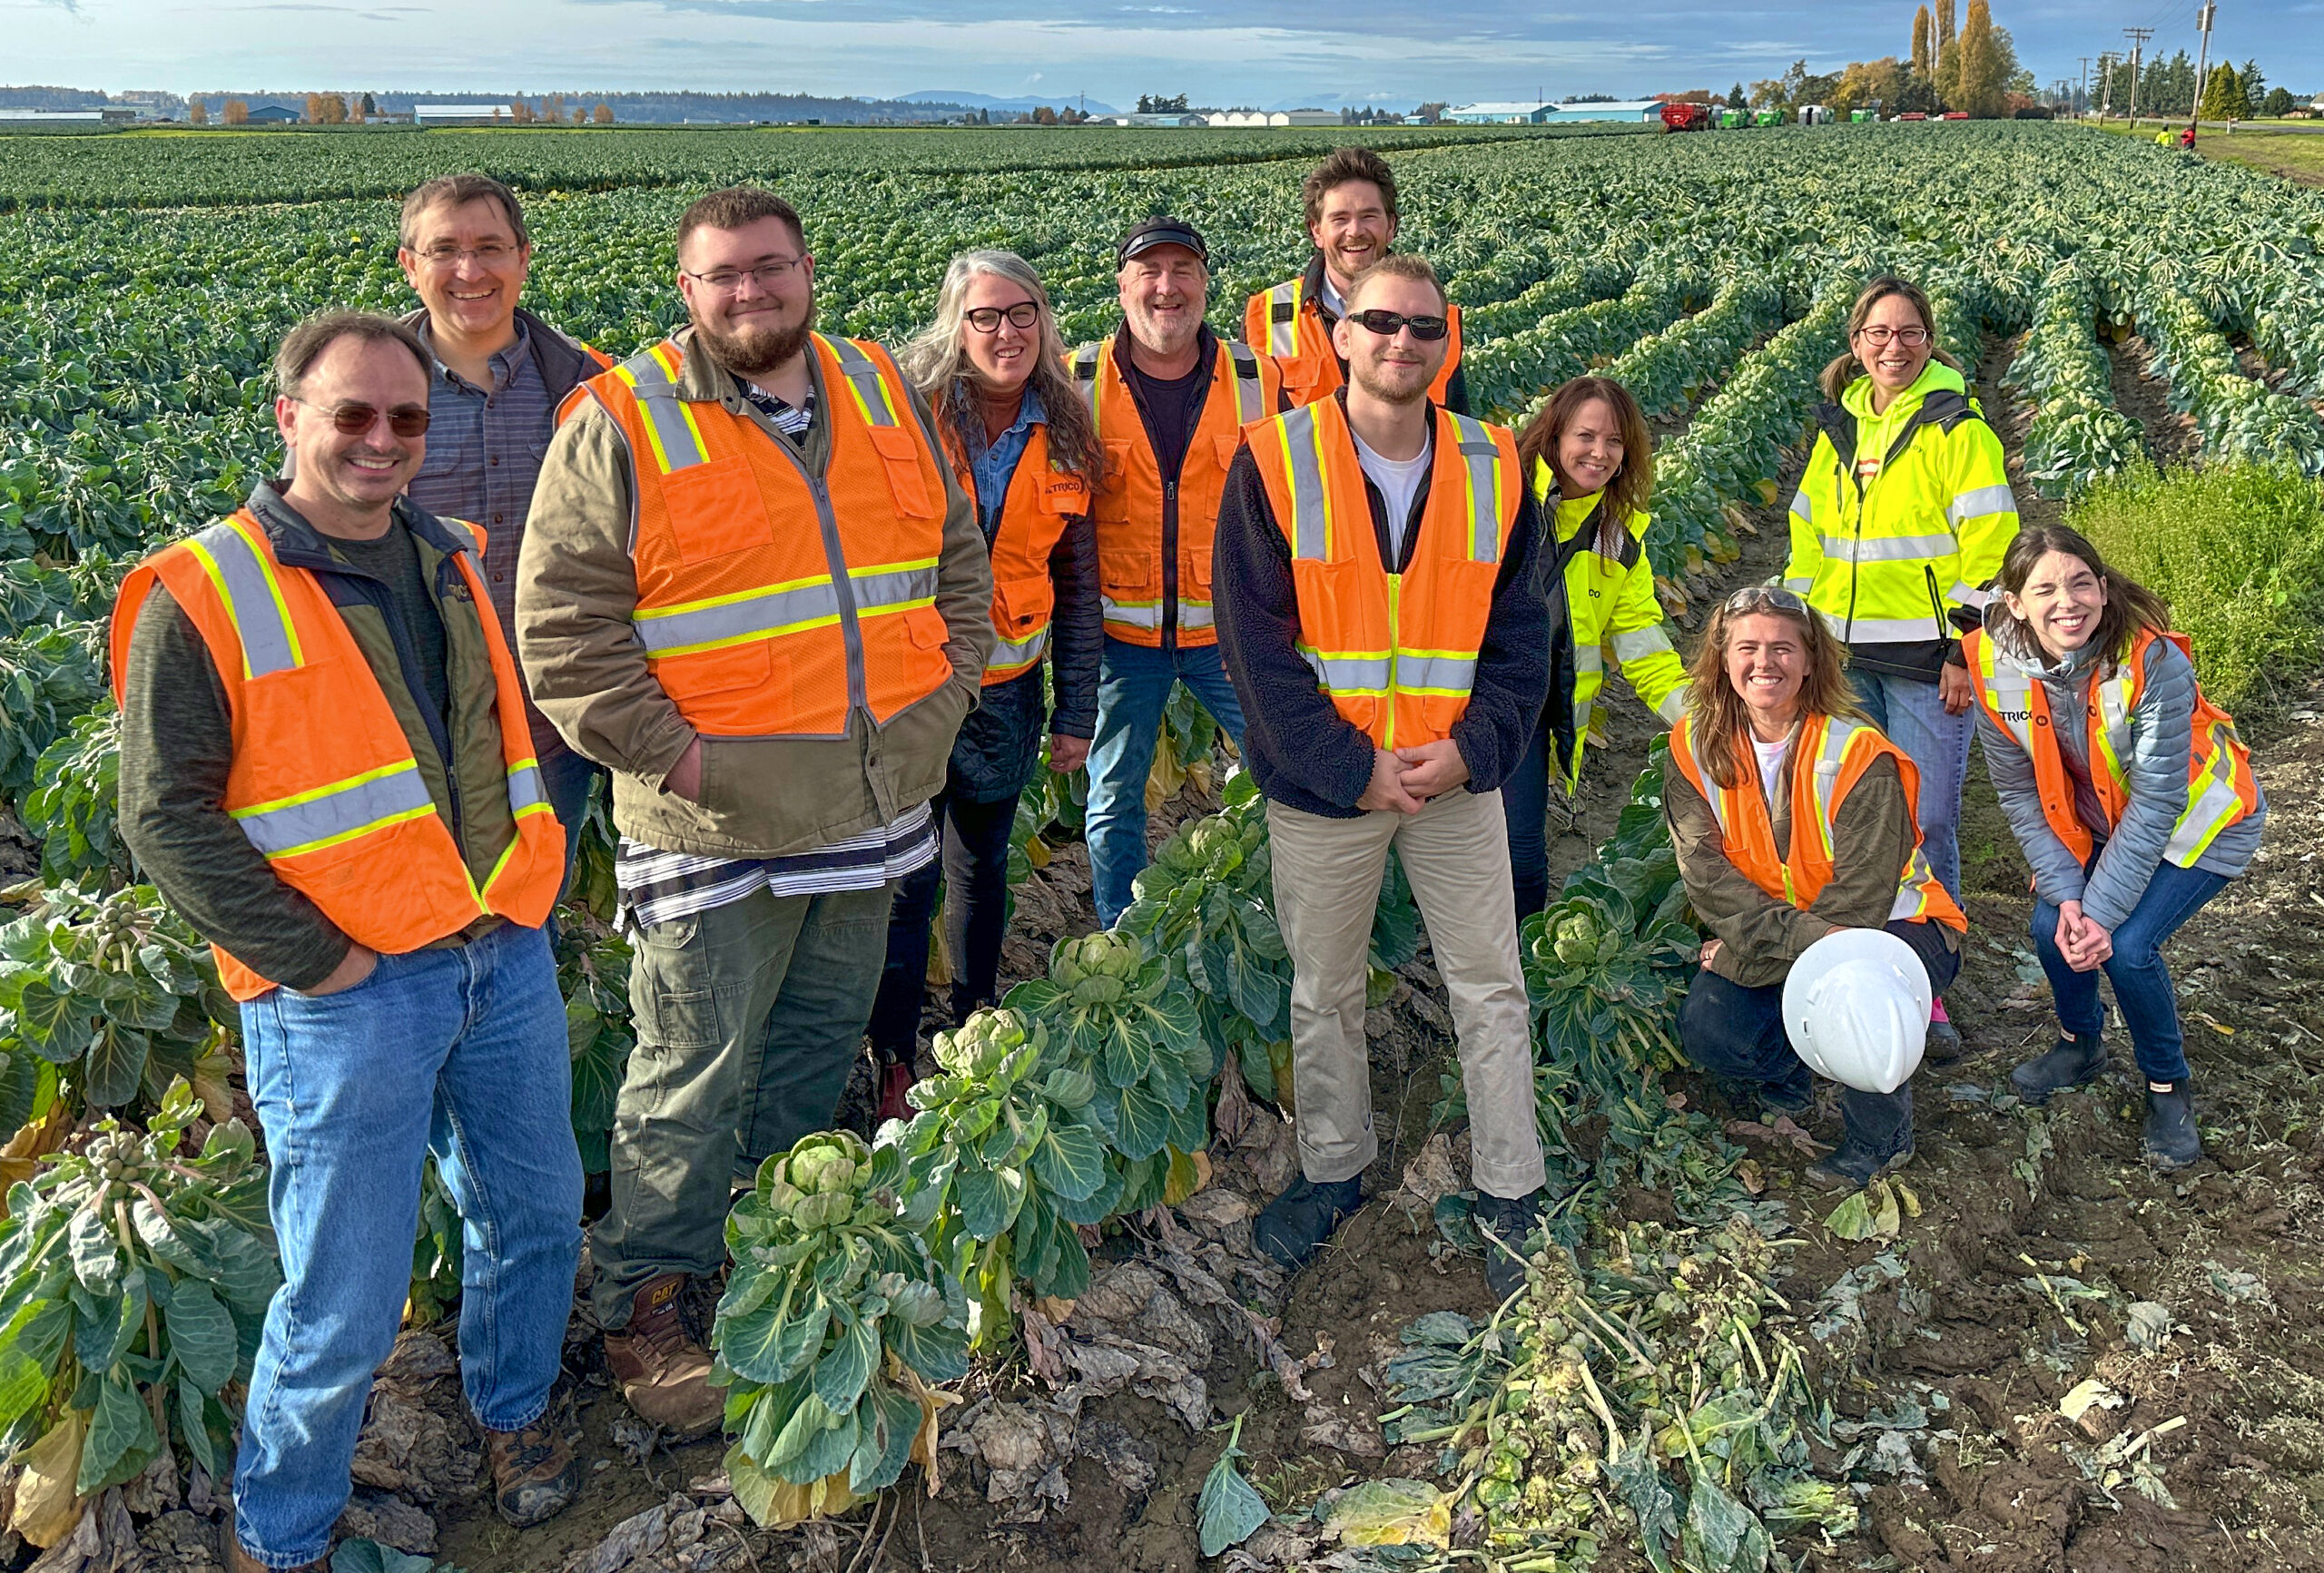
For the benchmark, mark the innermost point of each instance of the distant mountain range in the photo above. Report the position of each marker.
(936, 97)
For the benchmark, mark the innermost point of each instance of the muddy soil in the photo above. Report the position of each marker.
(2039, 1232)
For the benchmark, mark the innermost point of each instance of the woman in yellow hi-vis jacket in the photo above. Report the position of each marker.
(1900, 524)
(1590, 451)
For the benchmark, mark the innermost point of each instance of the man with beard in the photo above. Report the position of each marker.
(752, 587)
(1351, 204)
(1384, 628)
(1171, 399)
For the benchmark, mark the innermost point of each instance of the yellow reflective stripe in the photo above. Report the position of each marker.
(276, 644)
(325, 816)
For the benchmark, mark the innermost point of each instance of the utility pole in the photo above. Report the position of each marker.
(2138, 37)
(2105, 85)
(2081, 99)
(2203, 17)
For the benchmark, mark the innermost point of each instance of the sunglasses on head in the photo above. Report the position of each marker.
(355, 419)
(1766, 598)
(1427, 329)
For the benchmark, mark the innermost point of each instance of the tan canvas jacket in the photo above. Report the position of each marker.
(576, 594)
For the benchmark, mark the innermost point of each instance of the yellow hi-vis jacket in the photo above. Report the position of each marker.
(1911, 522)
(1611, 606)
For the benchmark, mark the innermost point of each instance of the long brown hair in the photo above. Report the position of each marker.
(936, 362)
(1632, 484)
(2130, 605)
(1716, 714)
(1846, 367)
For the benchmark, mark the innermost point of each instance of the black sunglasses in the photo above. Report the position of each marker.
(1427, 329)
(355, 419)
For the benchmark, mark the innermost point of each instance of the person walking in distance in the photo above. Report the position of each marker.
(1020, 441)
(751, 586)
(1384, 626)
(325, 768)
(1899, 526)
(1350, 202)
(1170, 400)
(2131, 795)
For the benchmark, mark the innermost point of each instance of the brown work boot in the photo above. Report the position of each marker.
(663, 1369)
(534, 1473)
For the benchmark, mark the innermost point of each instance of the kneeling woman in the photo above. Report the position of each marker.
(2130, 793)
(992, 369)
(1793, 817)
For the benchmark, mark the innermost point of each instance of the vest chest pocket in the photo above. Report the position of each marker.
(716, 509)
(899, 454)
(1020, 605)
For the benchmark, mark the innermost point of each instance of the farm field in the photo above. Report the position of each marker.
(2033, 1354)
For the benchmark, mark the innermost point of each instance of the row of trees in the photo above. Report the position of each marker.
(330, 109)
(1973, 69)
(2167, 87)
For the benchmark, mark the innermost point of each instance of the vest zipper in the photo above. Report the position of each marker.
(1936, 601)
(1170, 561)
(1395, 637)
(844, 590)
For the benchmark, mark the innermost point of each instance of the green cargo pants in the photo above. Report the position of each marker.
(749, 1017)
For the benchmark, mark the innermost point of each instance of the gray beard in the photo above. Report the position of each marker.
(755, 352)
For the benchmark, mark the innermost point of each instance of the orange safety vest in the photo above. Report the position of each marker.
(1133, 506)
(1042, 501)
(2221, 786)
(1286, 323)
(1397, 653)
(771, 603)
(323, 781)
(1829, 757)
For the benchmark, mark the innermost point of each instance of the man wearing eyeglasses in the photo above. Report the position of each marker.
(499, 377)
(1379, 611)
(1350, 208)
(1171, 398)
(325, 767)
(752, 587)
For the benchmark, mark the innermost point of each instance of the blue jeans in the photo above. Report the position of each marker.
(1738, 1032)
(1525, 802)
(1133, 685)
(461, 1052)
(568, 777)
(2142, 982)
(1914, 717)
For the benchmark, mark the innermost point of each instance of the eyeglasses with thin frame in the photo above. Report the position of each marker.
(1878, 337)
(1427, 329)
(355, 419)
(766, 274)
(492, 254)
(986, 318)
(1766, 598)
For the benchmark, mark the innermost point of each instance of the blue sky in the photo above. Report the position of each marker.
(1268, 52)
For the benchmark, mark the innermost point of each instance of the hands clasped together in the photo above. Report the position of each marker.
(1405, 778)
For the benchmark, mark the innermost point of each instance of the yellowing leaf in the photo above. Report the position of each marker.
(1391, 1512)
(47, 1507)
(1189, 1173)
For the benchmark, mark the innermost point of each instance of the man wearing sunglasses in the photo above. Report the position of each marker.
(1351, 206)
(1378, 607)
(752, 586)
(500, 374)
(325, 767)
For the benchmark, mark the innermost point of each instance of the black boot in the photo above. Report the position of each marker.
(2073, 1062)
(2171, 1142)
(1506, 1224)
(1856, 1164)
(1296, 1224)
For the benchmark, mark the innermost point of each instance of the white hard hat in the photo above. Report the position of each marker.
(1857, 1008)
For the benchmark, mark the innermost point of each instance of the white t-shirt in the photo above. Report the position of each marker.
(1399, 482)
(1770, 764)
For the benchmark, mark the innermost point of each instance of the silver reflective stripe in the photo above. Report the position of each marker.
(2013, 697)
(1023, 652)
(1350, 674)
(871, 392)
(461, 531)
(241, 576)
(1639, 643)
(1969, 596)
(1248, 406)
(1137, 613)
(1673, 706)
(1838, 734)
(338, 813)
(1886, 630)
(891, 588)
(676, 447)
(732, 619)
(2210, 810)
(1970, 505)
(1799, 586)
(1888, 548)
(1085, 372)
(1911, 899)
(1482, 457)
(526, 789)
(1583, 709)
(1435, 673)
(1194, 613)
(1310, 536)
(1589, 658)
(1801, 507)
(1283, 330)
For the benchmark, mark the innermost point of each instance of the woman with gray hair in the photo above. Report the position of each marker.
(992, 369)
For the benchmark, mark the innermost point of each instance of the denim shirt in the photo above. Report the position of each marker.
(992, 465)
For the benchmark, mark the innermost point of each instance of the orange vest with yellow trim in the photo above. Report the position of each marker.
(1397, 653)
(771, 603)
(1829, 757)
(323, 781)
(1132, 501)
(1286, 325)
(1042, 502)
(2221, 788)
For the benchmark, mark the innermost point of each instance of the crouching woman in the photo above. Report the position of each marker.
(2131, 794)
(1793, 817)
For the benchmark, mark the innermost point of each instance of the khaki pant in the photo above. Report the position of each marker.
(1327, 873)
